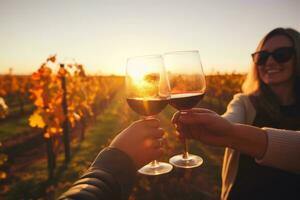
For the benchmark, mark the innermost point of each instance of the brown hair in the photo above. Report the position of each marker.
(252, 83)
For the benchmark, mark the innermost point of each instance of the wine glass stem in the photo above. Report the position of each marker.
(185, 154)
(154, 163)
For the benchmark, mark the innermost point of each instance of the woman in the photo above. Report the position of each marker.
(259, 163)
(112, 174)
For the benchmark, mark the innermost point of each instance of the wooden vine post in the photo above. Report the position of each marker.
(51, 157)
(66, 128)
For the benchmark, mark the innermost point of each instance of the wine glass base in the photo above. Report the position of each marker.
(190, 162)
(153, 170)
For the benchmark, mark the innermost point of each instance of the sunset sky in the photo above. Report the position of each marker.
(102, 34)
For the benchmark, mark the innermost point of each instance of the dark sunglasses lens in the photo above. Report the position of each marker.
(282, 55)
(260, 58)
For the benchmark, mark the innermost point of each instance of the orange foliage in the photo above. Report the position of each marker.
(81, 92)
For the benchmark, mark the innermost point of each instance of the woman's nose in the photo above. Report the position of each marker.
(270, 61)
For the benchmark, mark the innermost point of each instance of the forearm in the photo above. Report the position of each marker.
(111, 176)
(249, 140)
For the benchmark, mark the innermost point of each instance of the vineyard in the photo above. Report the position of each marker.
(54, 122)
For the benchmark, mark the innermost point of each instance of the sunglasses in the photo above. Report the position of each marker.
(280, 55)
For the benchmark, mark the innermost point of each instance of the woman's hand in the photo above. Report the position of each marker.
(142, 141)
(204, 125)
(210, 128)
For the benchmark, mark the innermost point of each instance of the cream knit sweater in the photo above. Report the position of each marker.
(283, 150)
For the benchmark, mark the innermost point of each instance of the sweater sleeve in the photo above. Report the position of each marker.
(111, 176)
(283, 150)
(235, 110)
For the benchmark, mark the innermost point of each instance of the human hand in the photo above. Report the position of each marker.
(204, 125)
(142, 141)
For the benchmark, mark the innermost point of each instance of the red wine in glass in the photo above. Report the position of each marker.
(147, 107)
(185, 101)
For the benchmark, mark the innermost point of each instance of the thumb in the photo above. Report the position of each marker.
(175, 117)
(196, 118)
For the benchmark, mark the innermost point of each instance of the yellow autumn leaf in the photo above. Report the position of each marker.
(46, 135)
(36, 120)
(77, 116)
(3, 175)
(55, 130)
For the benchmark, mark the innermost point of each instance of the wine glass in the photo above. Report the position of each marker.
(187, 82)
(148, 93)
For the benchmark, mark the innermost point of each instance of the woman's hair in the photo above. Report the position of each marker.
(252, 83)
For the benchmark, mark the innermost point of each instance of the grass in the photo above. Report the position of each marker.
(32, 182)
(15, 110)
(15, 127)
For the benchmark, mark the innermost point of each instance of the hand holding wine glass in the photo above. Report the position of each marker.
(148, 93)
(144, 146)
(188, 86)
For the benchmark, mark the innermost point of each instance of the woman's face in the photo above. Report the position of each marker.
(272, 72)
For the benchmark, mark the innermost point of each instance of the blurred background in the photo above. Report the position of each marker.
(62, 66)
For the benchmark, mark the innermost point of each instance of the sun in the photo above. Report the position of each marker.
(139, 73)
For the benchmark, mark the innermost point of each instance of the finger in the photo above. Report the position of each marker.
(155, 144)
(178, 126)
(158, 133)
(197, 134)
(158, 143)
(175, 117)
(148, 143)
(163, 142)
(179, 131)
(199, 110)
(184, 132)
(181, 136)
(154, 123)
(197, 118)
(150, 122)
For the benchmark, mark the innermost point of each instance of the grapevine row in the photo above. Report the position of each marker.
(63, 99)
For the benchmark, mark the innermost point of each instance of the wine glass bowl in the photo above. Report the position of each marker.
(187, 82)
(148, 93)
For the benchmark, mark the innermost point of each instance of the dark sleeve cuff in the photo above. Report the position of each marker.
(119, 165)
